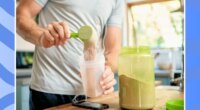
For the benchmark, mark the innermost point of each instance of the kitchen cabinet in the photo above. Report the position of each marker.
(23, 73)
(22, 93)
(22, 88)
(164, 76)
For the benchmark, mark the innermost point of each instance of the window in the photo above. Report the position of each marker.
(159, 25)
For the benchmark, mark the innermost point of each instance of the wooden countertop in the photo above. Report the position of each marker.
(163, 93)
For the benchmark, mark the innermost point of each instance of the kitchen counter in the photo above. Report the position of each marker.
(163, 93)
(23, 72)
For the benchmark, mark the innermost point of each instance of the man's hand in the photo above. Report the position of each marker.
(108, 81)
(56, 33)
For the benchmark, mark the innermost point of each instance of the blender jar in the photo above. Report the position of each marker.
(136, 78)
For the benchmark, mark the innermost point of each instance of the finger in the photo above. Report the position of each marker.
(109, 78)
(109, 91)
(54, 34)
(59, 29)
(109, 85)
(105, 74)
(47, 40)
(52, 31)
(61, 43)
(56, 41)
(107, 71)
(66, 30)
(48, 36)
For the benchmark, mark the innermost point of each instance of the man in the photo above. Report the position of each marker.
(56, 72)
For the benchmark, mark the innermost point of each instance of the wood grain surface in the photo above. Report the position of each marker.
(163, 93)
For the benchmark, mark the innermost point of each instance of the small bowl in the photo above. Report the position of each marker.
(175, 104)
(165, 66)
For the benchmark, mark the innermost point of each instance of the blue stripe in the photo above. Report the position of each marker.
(6, 76)
(6, 101)
(192, 97)
(6, 60)
(7, 57)
(192, 54)
(8, 5)
(7, 37)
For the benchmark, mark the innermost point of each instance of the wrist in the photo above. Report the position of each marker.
(107, 64)
(37, 34)
(111, 66)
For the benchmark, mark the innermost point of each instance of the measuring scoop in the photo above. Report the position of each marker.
(85, 33)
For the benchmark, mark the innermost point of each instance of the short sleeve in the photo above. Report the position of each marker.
(117, 14)
(41, 2)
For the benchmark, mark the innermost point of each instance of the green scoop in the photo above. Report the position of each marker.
(84, 33)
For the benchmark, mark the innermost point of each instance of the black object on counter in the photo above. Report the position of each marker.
(91, 105)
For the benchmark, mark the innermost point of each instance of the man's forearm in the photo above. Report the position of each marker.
(112, 47)
(28, 29)
(26, 26)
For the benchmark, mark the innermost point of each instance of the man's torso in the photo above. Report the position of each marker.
(56, 69)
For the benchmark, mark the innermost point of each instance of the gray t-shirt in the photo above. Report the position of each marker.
(56, 69)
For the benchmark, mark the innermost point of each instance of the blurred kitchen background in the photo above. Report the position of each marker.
(157, 23)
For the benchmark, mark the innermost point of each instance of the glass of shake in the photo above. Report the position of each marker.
(91, 73)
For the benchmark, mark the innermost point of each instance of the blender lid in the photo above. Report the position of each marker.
(175, 104)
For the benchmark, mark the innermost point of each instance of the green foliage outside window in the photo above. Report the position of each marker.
(159, 25)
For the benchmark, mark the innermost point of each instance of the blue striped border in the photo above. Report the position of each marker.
(7, 53)
(192, 54)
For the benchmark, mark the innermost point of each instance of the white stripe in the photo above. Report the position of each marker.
(11, 107)
(6, 20)
(6, 57)
(7, 88)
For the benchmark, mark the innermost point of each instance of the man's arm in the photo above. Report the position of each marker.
(26, 26)
(55, 33)
(112, 46)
